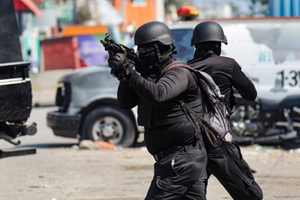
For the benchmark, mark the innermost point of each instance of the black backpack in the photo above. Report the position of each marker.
(216, 118)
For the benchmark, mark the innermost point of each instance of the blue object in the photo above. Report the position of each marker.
(284, 8)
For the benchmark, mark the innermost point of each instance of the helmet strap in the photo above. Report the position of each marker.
(161, 58)
(157, 53)
(173, 49)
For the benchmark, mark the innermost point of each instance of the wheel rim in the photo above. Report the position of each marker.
(108, 129)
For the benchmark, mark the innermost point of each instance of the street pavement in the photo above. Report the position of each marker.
(62, 171)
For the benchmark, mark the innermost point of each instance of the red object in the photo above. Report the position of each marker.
(60, 53)
(187, 11)
(83, 64)
(20, 6)
(26, 5)
(105, 145)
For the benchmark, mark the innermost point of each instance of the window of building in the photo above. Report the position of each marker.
(139, 2)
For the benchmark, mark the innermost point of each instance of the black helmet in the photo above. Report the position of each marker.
(208, 31)
(153, 32)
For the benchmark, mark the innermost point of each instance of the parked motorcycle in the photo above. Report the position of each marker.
(266, 121)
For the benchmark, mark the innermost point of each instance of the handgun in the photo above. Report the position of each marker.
(113, 48)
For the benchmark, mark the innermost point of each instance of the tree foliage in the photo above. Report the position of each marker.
(259, 7)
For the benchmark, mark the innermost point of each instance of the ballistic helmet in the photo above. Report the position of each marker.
(208, 31)
(153, 32)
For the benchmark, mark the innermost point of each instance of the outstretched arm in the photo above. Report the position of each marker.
(243, 84)
(174, 82)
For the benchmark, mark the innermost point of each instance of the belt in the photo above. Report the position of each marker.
(171, 150)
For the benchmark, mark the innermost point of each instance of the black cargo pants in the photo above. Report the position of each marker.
(180, 175)
(226, 163)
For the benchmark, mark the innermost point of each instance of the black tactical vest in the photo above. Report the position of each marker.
(168, 112)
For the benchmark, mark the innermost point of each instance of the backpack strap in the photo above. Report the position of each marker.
(177, 64)
(192, 117)
(206, 78)
(183, 64)
(190, 114)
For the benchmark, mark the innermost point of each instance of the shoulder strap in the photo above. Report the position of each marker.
(203, 76)
(199, 75)
(177, 64)
(191, 115)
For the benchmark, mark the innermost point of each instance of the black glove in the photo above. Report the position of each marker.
(120, 66)
(116, 61)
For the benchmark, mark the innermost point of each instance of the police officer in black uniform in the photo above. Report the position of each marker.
(226, 72)
(180, 168)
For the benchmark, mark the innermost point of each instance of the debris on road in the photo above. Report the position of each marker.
(88, 144)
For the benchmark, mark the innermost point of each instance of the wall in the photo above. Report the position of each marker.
(138, 13)
(83, 30)
(60, 53)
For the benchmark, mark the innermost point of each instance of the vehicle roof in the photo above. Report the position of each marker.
(85, 71)
(191, 24)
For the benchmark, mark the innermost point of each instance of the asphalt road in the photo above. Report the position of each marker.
(60, 171)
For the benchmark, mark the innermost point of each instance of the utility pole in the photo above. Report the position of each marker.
(159, 10)
(123, 6)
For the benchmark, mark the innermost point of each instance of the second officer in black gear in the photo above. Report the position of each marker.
(180, 168)
(226, 72)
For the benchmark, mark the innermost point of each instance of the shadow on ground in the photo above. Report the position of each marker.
(47, 145)
(63, 145)
(286, 146)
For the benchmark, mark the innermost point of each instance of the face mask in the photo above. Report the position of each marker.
(148, 61)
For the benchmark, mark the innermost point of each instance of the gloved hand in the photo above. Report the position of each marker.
(116, 61)
(120, 66)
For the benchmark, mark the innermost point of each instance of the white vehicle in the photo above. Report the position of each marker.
(268, 51)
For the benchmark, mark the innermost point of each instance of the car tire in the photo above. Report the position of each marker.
(109, 124)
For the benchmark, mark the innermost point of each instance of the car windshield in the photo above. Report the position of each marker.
(182, 43)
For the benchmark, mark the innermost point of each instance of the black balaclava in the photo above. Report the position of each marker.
(207, 49)
(152, 62)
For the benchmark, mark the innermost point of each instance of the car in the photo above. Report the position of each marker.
(87, 108)
(87, 98)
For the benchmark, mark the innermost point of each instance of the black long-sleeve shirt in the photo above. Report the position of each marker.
(165, 122)
(226, 73)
